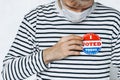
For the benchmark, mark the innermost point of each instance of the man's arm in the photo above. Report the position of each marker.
(116, 51)
(24, 57)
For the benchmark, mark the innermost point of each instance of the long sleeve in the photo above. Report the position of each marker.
(24, 57)
(115, 56)
(116, 51)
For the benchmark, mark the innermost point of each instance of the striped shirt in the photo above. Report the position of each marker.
(44, 26)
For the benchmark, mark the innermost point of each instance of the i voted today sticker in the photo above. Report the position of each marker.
(92, 43)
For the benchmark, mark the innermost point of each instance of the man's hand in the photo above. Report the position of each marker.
(69, 45)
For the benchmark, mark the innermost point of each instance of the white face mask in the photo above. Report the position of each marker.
(75, 17)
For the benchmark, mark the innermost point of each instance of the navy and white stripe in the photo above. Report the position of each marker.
(44, 26)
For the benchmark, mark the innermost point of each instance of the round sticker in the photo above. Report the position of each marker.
(92, 43)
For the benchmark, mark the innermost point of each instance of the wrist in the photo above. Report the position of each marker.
(46, 57)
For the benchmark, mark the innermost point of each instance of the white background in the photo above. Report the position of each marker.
(11, 15)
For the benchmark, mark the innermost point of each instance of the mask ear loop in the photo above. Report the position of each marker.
(60, 4)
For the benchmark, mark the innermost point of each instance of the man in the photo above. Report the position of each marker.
(66, 39)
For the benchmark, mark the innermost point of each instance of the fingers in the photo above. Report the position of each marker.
(75, 53)
(75, 45)
(71, 37)
(75, 42)
(75, 48)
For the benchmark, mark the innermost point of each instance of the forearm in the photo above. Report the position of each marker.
(23, 67)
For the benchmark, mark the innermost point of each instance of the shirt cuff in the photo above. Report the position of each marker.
(42, 63)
